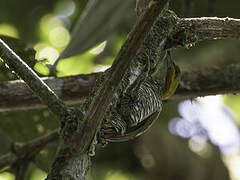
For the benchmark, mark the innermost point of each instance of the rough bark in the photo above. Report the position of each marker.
(72, 161)
(15, 95)
(44, 93)
(77, 138)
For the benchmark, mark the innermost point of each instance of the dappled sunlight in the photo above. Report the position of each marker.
(233, 163)
(115, 175)
(100, 48)
(59, 37)
(8, 30)
(38, 174)
(48, 23)
(100, 68)
(233, 101)
(65, 8)
(7, 176)
(46, 52)
(81, 64)
(42, 69)
(53, 31)
(200, 146)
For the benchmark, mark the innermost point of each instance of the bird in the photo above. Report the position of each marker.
(141, 105)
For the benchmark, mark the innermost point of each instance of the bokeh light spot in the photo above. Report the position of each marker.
(38, 174)
(42, 69)
(114, 175)
(7, 176)
(208, 118)
(8, 30)
(200, 146)
(148, 161)
(81, 64)
(65, 7)
(59, 37)
(100, 48)
(233, 163)
(46, 52)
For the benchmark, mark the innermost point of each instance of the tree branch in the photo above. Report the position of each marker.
(189, 31)
(21, 169)
(194, 83)
(15, 95)
(211, 28)
(72, 159)
(27, 150)
(206, 28)
(209, 81)
(45, 94)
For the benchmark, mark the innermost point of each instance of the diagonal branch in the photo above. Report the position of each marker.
(45, 94)
(73, 150)
(72, 160)
(195, 83)
(21, 170)
(122, 62)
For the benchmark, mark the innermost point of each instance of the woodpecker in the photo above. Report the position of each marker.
(140, 106)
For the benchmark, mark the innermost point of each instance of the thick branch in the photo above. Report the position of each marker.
(212, 28)
(199, 28)
(16, 95)
(45, 94)
(194, 83)
(209, 81)
(191, 30)
(72, 157)
(122, 62)
(69, 160)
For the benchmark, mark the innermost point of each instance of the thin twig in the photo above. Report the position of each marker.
(21, 169)
(28, 150)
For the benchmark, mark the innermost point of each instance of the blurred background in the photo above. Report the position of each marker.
(195, 139)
